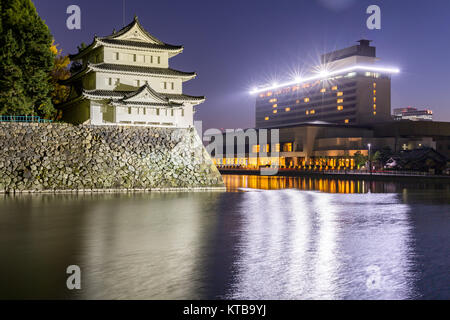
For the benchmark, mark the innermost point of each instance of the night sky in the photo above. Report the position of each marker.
(235, 45)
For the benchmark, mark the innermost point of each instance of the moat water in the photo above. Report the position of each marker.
(265, 238)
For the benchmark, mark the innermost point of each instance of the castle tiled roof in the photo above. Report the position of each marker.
(112, 40)
(130, 43)
(141, 69)
(109, 94)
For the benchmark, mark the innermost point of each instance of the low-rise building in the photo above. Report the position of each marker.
(326, 145)
(413, 114)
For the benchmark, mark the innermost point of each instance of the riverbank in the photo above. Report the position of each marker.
(374, 176)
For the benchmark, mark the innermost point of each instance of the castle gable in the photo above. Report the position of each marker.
(145, 94)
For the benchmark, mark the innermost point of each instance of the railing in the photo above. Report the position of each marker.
(341, 171)
(24, 119)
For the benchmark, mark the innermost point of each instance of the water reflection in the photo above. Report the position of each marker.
(258, 244)
(137, 246)
(308, 245)
(235, 183)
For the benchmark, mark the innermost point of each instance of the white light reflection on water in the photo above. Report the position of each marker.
(310, 245)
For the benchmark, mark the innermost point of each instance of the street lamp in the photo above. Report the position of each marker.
(370, 160)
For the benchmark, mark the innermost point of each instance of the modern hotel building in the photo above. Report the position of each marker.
(326, 118)
(348, 88)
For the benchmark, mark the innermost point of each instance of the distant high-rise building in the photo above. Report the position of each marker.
(349, 87)
(413, 114)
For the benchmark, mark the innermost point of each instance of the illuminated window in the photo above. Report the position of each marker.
(307, 111)
(312, 112)
(275, 111)
(266, 118)
(334, 88)
(374, 85)
(275, 105)
(340, 100)
(374, 99)
(374, 92)
(374, 113)
(306, 100)
(273, 100)
(261, 95)
(374, 106)
(269, 93)
(288, 109)
(340, 108)
(346, 121)
(340, 94)
(287, 147)
(255, 148)
(298, 101)
(323, 90)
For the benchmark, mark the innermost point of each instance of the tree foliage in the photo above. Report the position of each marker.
(26, 60)
(360, 159)
(60, 72)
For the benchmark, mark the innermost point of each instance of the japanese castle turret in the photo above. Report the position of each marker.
(125, 79)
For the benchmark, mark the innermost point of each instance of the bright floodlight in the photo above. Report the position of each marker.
(298, 79)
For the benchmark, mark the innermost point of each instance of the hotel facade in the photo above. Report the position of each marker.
(347, 88)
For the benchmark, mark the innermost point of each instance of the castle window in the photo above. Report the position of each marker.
(117, 56)
(157, 112)
(173, 85)
(134, 57)
(129, 110)
(159, 60)
(172, 112)
(182, 112)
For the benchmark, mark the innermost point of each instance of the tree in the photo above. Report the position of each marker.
(385, 154)
(25, 60)
(360, 159)
(60, 72)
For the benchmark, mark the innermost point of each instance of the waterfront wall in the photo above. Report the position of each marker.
(58, 157)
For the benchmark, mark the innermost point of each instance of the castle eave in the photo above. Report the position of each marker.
(128, 69)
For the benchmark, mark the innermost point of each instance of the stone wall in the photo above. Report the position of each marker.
(56, 157)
